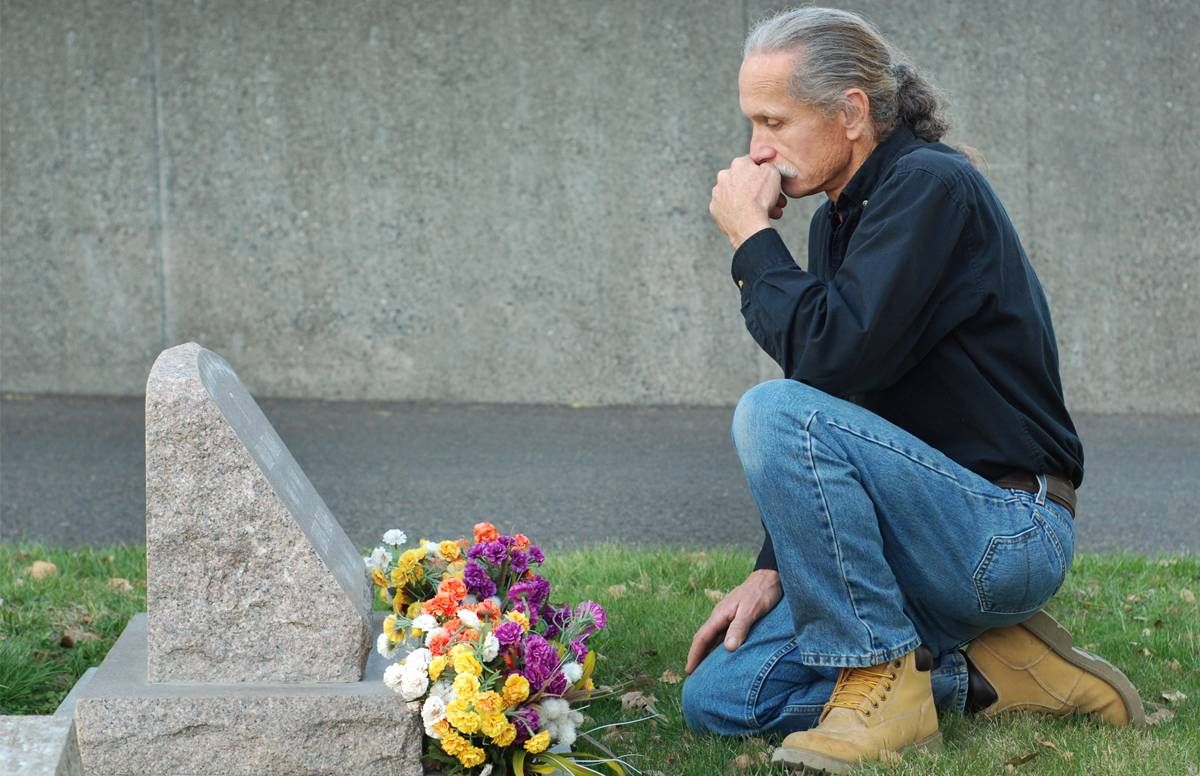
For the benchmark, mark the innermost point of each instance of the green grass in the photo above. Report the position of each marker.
(1128, 608)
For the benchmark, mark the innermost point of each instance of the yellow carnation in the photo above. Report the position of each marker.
(492, 725)
(379, 579)
(398, 602)
(442, 728)
(453, 743)
(467, 664)
(472, 755)
(455, 570)
(436, 666)
(466, 686)
(414, 609)
(465, 720)
(506, 736)
(389, 627)
(449, 550)
(410, 558)
(519, 618)
(489, 702)
(538, 743)
(516, 689)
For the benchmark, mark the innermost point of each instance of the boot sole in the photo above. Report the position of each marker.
(800, 760)
(1060, 641)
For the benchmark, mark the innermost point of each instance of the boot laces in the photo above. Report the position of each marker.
(856, 687)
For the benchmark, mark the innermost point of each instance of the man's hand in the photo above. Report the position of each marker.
(745, 197)
(733, 617)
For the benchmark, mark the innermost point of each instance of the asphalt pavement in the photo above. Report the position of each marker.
(72, 473)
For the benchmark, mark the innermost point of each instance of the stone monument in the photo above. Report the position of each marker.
(254, 655)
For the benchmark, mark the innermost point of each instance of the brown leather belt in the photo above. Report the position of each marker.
(1058, 489)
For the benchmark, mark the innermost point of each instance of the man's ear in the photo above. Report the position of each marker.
(856, 114)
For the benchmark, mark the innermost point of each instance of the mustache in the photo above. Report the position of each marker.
(786, 170)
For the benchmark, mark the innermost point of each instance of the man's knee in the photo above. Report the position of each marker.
(764, 412)
(705, 705)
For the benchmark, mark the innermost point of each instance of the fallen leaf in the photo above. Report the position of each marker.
(714, 595)
(120, 584)
(617, 735)
(73, 636)
(1174, 697)
(1145, 633)
(1012, 762)
(1146, 652)
(638, 700)
(670, 677)
(1051, 745)
(41, 569)
(1174, 665)
(1187, 595)
(1160, 716)
(19, 582)
(742, 762)
(616, 591)
(698, 557)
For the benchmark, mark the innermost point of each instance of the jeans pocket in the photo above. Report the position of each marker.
(1019, 573)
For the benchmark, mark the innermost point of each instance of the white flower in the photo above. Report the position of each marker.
(487, 769)
(413, 683)
(442, 689)
(431, 547)
(419, 658)
(573, 671)
(468, 618)
(392, 675)
(429, 635)
(383, 645)
(491, 647)
(395, 537)
(433, 711)
(567, 734)
(551, 728)
(554, 709)
(378, 559)
(425, 622)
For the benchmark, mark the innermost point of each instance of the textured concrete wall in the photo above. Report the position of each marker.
(508, 202)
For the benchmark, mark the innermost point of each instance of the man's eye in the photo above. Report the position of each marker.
(771, 123)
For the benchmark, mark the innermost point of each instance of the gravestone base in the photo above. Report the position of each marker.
(125, 724)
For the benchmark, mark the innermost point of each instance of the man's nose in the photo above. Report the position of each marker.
(760, 150)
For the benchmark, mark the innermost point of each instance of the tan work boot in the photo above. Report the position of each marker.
(1035, 667)
(872, 712)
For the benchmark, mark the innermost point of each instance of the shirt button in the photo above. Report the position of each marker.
(740, 283)
(864, 203)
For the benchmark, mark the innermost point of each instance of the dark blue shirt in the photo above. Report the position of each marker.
(920, 305)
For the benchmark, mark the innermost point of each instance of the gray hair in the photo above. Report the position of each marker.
(839, 50)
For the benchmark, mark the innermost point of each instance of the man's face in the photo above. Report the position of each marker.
(810, 149)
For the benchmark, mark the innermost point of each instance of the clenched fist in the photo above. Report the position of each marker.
(745, 197)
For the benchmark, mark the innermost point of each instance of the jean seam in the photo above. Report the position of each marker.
(986, 604)
(872, 658)
(756, 687)
(884, 443)
(829, 522)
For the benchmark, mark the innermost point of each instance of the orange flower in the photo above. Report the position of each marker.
(453, 587)
(452, 624)
(489, 608)
(440, 604)
(521, 541)
(438, 643)
(485, 532)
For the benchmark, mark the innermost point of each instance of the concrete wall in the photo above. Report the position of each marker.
(508, 201)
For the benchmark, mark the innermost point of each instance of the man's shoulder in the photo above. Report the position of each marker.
(939, 160)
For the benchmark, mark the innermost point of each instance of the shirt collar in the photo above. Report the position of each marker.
(878, 162)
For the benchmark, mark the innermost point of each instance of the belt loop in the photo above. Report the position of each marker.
(1041, 494)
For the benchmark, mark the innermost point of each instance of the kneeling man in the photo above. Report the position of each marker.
(916, 469)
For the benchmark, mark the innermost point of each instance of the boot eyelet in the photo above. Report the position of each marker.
(867, 713)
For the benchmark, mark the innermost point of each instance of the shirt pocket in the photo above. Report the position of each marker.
(1020, 572)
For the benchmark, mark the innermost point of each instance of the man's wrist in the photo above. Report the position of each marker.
(745, 234)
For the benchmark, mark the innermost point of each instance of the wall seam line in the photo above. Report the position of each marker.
(160, 198)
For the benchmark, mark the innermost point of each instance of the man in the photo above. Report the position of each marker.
(916, 469)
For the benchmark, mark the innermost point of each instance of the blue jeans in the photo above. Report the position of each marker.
(883, 544)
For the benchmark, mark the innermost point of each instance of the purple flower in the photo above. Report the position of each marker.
(541, 661)
(507, 541)
(478, 581)
(474, 551)
(507, 632)
(534, 590)
(495, 553)
(518, 561)
(558, 685)
(535, 554)
(526, 720)
(556, 619)
(593, 614)
(579, 649)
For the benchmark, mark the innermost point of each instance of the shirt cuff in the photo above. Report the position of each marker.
(766, 556)
(760, 252)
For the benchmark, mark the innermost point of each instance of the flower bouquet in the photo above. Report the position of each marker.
(497, 668)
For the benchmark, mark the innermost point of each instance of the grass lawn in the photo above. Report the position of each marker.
(1140, 613)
